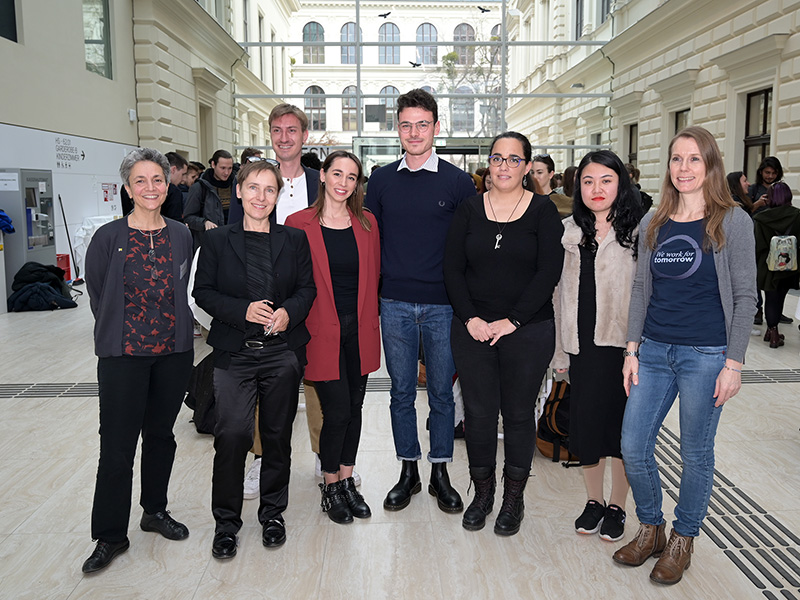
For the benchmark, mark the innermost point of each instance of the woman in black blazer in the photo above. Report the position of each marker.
(254, 278)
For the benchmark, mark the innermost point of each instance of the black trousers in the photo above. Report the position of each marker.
(271, 377)
(138, 394)
(341, 401)
(773, 303)
(502, 379)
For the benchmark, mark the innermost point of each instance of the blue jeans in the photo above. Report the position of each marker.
(401, 325)
(666, 370)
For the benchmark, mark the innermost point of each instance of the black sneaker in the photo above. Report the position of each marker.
(589, 522)
(613, 528)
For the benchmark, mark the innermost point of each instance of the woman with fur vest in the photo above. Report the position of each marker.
(591, 305)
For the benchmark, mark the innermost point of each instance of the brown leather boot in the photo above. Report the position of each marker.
(649, 541)
(676, 558)
(775, 338)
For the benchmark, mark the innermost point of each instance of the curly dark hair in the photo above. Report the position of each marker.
(626, 212)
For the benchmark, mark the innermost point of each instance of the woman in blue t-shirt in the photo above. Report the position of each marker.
(691, 312)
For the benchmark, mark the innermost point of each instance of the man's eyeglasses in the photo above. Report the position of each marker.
(512, 161)
(269, 161)
(407, 126)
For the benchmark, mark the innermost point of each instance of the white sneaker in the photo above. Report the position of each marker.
(318, 472)
(252, 481)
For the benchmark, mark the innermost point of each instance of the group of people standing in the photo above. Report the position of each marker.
(493, 286)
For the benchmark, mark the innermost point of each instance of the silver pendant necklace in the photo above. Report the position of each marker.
(500, 229)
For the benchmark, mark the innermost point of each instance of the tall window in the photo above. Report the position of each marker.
(349, 109)
(349, 52)
(313, 55)
(8, 20)
(245, 17)
(758, 124)
(429, 89)
(463, 111)
(315, 109)
(578, 19)
(681, 120)
(390, 94)
(427, 55)
(605, 10)
(97, 37)
(389, 55)
(633, 143)
(496, 50)
(465, 33)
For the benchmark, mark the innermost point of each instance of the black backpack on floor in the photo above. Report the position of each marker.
(200, 395)
(552, 431)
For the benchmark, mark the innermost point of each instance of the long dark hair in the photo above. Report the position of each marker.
(734, 180)
(769, 161)
(625, 213)
(355, 203)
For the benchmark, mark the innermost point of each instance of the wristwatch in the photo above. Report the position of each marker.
(634, 353)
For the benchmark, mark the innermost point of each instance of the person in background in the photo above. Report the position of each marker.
(645, 199)
(192, 173)
(542, 174)
(569, 181)
(780, 218)
(173, 205)
(502, 261)
(209, 200)
(413, 201)
(137, 271)
(769, 171)
(486, 182)
(739, 188)
(345, 341)
(311, 160)
(591, 302)
(689, 325)
(255, 279)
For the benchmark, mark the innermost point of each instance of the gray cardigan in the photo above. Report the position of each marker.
(736, 276)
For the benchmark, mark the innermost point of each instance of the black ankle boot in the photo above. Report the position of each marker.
(513, 509)
(483, 479)
(446, 497)
(409, 484)
(358, 507)
(334, 502)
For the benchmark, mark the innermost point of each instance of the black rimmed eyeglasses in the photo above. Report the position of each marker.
(512, 161)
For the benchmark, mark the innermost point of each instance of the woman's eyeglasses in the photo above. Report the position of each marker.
(512, 161)
(151, 255)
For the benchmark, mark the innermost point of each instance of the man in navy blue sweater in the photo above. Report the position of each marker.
(414, 200)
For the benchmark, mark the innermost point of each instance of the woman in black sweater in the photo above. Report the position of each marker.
(502, 262)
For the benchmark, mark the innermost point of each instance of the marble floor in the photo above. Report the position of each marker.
(750, 547)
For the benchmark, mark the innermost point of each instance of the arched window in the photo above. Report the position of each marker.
(389, 55)
(427, 55)
(496, 50)
(349, 52)
(313, 55)
(429, 89)
(465, 33)
(349, 109)
(315, 109)
(463, 111)
(390, 94)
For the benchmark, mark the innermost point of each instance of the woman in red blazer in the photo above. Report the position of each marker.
(343, 322)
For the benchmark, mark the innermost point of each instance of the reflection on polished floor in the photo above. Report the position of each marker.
(750, 547)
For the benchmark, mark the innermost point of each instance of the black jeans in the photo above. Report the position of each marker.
(341, 401)
(270, 376)
(502, 379)
(773, 303)
(138, 394)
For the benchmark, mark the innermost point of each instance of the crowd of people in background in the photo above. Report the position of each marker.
(496, 277)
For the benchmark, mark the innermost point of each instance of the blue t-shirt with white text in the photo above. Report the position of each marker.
(685, 306)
